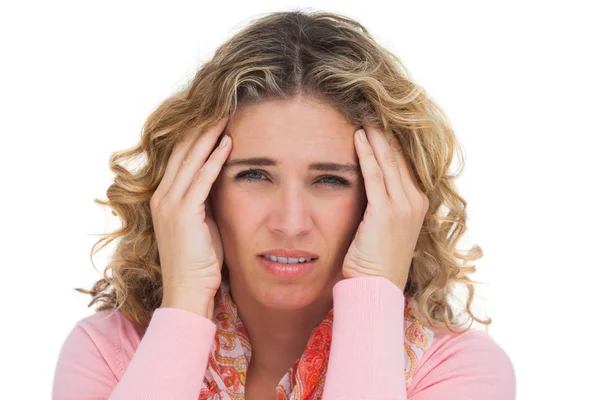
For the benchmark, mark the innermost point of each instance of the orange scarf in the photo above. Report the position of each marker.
(225, 377)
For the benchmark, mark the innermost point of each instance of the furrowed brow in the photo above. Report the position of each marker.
(347, 168)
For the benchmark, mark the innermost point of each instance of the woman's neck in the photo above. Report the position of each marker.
(277, 337)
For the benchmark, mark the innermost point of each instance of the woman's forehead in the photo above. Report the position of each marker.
(296, 120)
(293, 132)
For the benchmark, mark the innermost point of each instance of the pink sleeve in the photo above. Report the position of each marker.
(367, 353)
(169, 362)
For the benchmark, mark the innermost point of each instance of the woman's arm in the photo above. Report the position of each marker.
(169, 362)
(366, 360)
(367, 353)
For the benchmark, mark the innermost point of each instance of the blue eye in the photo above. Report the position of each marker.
(328, 180)
(244, 176)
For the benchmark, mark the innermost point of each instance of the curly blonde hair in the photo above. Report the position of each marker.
(280, 55)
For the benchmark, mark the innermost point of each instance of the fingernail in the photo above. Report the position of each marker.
(224, 141)
(361, 135)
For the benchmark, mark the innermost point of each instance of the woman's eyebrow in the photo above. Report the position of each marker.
(348, 168)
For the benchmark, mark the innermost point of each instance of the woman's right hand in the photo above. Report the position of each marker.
(188, 239)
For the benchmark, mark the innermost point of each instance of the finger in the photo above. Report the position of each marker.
(195, 159)
(202, 183)
(179, 151)
(403, 187)
(372, 174)
(409, 181)
(388, 162)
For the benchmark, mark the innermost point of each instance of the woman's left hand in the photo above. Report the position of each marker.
(386, 238)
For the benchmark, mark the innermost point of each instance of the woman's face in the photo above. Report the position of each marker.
(287, 204)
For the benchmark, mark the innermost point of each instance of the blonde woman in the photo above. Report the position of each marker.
(291, 234)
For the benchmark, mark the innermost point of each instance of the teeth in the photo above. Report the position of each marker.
(288, 260)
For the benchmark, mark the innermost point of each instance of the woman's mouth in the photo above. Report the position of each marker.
(293, 268)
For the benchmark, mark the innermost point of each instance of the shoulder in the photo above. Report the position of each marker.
(473, 342)
(106, 334)
(94, 355)
(471, 362)
(109, 324)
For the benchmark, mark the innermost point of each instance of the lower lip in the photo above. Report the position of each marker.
(283, 270)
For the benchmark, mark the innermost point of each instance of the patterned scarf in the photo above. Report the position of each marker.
(225, 377)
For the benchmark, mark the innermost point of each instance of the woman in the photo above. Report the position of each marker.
(301, 259)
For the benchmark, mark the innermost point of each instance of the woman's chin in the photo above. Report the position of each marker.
(287, 297)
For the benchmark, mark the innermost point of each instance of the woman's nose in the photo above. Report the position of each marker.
(290, 214)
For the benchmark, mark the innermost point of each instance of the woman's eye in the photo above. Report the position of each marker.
(329, 181)
(245, 176)
(334, 181)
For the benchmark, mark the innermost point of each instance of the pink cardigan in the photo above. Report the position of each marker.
(106, 357)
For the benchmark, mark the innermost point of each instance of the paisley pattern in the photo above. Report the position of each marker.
(228, 360)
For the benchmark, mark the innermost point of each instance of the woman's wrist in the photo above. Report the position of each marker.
(198, 303)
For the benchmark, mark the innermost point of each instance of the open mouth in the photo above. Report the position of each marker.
(289, 260)
(293, 268)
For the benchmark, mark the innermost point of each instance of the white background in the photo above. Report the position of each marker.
(518, 80)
